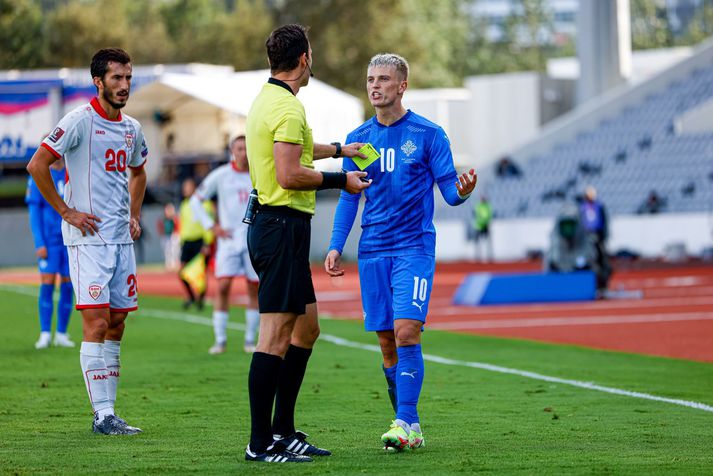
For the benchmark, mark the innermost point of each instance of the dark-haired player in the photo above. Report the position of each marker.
(104, 152)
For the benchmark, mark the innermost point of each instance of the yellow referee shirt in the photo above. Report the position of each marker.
(277, 115)
(190, 229)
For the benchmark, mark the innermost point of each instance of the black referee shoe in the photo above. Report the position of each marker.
(276, 453)
(297, 443)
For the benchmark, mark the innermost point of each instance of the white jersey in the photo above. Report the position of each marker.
(97, 152)
(233, 189)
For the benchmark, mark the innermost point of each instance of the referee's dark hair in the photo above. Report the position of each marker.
(101, 59)
(285, 45)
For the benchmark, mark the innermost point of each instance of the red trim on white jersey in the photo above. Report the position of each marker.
(89, 177)
(100, 110)
(79, 307)
(124, 309)
(51, 150)
(89, 174)
(137, 167)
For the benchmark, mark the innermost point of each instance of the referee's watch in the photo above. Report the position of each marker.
(338, 153)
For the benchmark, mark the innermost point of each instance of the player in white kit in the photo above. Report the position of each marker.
(231, 183)
(104, 152)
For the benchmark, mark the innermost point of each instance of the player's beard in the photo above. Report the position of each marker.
(108, 97)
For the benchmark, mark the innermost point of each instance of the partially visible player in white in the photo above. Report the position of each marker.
(104, 152)
(231, 183)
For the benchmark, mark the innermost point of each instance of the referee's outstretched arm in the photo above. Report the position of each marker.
(291, 175)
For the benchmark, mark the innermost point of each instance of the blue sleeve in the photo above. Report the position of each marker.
(343, 220)
(35, 210)
(346, 211)
(33, 194)
(442, 168)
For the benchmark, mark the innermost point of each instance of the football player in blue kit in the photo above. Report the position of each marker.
(397, 246)
(46, 226)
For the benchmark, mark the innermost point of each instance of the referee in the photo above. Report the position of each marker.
(281, 152)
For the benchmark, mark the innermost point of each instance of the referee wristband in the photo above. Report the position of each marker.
(333, 180)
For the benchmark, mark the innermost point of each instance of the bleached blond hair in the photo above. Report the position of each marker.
(392, 60)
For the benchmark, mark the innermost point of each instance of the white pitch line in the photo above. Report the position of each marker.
(194, 319)
(571, 321)
(20, 289)
(603, 305)
(200, 320)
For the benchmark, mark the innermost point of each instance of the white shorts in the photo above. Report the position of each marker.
(229, 264)
(104, 276)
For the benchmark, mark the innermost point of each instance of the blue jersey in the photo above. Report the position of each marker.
(45, 222)
(398, 213)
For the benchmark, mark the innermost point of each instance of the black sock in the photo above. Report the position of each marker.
(191, 296)
(288, 387)
(262, 384)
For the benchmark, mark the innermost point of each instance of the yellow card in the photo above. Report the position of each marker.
(371, 156)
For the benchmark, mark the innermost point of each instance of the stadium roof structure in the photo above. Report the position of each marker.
(331, 112)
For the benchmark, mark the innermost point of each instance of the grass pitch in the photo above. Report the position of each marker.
(193, 407)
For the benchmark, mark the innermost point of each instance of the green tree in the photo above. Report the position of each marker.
(198, 29)
(430, 35)
(649, 25)
(77, 29)
(701, 26)
(148, 40)
(248, 27)
(525, 44)
(20, 34)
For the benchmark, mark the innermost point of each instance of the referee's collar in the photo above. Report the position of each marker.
(282, 84)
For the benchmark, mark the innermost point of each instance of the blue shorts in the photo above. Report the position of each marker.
(56, 262)
(396, 287)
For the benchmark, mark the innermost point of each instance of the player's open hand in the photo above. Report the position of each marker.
(41, 252)
(352, 150)
(356, 181)
(333, 264)
(86, 222)
(134, 228)
(466, 183)
(221, 232)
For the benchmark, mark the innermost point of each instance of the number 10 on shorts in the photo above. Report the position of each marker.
(420, 288)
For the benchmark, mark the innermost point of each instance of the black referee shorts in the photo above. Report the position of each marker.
(278, 242)
(189, 249)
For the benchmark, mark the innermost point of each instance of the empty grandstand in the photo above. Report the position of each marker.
(652, 137)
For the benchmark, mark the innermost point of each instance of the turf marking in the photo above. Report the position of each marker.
(195, 319)
(571, 321)
(201, 320)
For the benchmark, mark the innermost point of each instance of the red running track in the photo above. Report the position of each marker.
(673, 318)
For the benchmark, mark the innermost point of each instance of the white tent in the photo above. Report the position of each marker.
(204, 110)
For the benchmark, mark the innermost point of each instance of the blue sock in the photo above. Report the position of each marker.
(64, 306)
(46, 307)
(409, 380)
(390, 374)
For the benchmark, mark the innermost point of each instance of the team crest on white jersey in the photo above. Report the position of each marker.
(129, 140)
(409, 148)
(94, 291)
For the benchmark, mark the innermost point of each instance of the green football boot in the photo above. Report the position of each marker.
(396, 437)
(415, 437)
